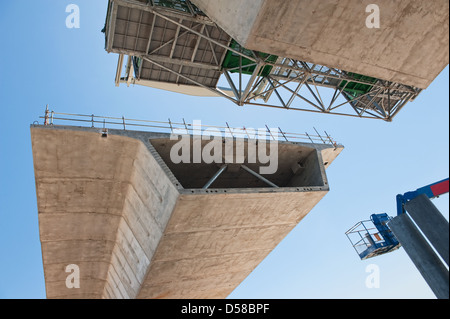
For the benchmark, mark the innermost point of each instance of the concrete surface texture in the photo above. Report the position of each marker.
(431, 223)
(113, 207)
(410, 47)
(422, 255)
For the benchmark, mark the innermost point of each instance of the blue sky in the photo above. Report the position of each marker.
(46, 63)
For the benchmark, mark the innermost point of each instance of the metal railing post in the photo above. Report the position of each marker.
(46, 115)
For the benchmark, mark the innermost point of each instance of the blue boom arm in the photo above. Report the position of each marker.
(431, 191)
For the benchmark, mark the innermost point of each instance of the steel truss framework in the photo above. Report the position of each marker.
(291, 84)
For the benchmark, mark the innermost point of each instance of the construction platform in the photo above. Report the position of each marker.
(138, 226)
(310, 57)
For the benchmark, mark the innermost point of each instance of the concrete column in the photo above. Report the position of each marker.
(431, 222)
(422, 255)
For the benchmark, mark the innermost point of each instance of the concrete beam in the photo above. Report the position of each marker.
(116, 207)
(410, 47)
(431, 222)
(422, 255)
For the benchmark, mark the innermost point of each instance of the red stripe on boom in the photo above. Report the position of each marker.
(441, 188)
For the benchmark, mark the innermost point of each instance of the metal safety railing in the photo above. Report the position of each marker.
(362, 236)
(196, 128)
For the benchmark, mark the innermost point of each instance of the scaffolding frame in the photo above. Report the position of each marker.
(291, 84)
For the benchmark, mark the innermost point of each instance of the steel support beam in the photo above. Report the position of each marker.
(112, 27)
(213, 179)
(129, 70)
(232, 86)
(214, 90)
(265, 180)
(174, 44)
(202, 35)
(119, 69)
(155, 9)
(163, 59)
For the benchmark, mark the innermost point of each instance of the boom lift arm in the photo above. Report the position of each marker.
(431, 191)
